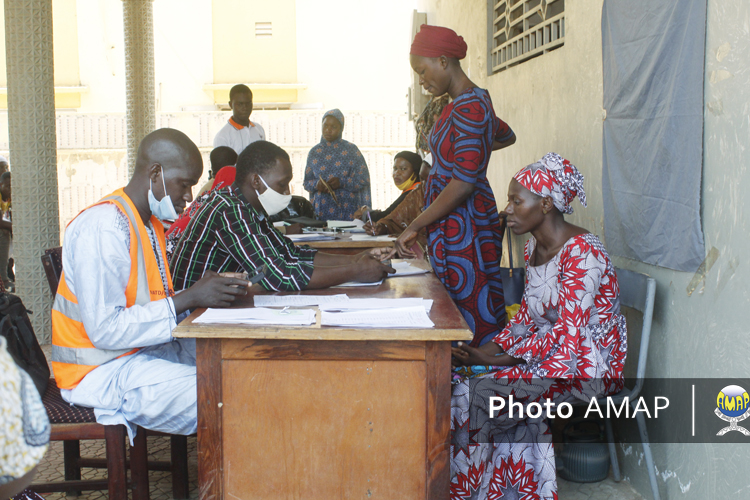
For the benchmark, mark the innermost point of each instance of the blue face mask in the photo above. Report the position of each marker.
(163, 209)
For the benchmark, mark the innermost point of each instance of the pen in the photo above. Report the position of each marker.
(372, 226)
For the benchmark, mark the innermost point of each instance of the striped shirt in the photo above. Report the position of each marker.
(228, 235)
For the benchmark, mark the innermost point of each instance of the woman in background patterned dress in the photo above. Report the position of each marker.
(568, 341)
(336, 175)
(464, 232)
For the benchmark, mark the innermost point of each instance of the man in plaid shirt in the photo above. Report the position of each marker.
(231, 233)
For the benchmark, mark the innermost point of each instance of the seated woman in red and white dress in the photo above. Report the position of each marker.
(567, 342)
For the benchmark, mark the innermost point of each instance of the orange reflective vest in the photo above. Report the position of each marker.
(73, 354)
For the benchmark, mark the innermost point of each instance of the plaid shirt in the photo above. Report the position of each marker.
(229, 235)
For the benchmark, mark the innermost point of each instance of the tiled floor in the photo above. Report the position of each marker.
(161, 484)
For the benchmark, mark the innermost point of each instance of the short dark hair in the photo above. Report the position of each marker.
(258, 158)
(240, 88)
(413, 158)
(221, 157)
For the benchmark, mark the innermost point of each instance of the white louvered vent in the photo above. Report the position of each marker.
(523, 29)
(263, 29)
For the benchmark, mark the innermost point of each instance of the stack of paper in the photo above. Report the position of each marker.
(357, 283)
(258, 316)
(367, 237)
(405, 317)
(298, 300)
(301, 238)
(344, 224)
(360, 304)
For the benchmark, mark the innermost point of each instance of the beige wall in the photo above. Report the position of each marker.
(554, 103)
(65, 40)
(242, 57)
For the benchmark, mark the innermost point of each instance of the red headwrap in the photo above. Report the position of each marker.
(436, 41)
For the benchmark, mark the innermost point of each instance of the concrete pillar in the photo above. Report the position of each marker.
(139, 73)
(33, 151)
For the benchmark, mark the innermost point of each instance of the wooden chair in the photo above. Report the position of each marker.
(177, 465)
(71, 424)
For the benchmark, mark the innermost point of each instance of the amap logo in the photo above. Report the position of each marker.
(733, 405)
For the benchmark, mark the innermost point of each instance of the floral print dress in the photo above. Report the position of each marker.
(572, 337)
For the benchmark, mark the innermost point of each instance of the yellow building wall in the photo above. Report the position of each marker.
(65, 40)
(239, 56)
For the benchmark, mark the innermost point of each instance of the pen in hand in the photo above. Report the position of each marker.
(372, 226)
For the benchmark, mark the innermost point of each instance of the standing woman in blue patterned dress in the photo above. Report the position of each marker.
(464, 232)
(336, 175)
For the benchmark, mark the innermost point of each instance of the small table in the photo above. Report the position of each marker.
(343, 244)
(322, 412)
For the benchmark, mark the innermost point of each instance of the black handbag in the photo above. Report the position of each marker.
(514, 278)
(23, 346)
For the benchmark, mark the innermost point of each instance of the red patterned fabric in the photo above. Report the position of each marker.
(572, 337)
(436, 41)
(556, 177)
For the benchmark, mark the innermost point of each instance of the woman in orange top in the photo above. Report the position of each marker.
(406, 165)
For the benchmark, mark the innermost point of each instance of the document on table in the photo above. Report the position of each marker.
(258, 316)
(367, 237)
(299, 238)
(404, 268)
(357, 283)
(362, 304)
(345, 224)
(405, 317)
(359, 227)
(298, 300)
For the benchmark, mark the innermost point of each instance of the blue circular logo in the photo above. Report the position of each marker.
(733, 401)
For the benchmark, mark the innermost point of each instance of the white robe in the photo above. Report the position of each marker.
(155, 387)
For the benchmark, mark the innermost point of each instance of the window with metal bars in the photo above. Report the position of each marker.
(523, 29)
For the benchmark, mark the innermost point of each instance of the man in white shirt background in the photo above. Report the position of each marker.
(240, 132)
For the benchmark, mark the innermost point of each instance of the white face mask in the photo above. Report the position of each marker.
(273, 202)
(163, 209)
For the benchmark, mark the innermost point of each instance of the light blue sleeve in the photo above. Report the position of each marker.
(96, 263)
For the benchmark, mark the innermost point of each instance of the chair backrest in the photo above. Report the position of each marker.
(638, 291)
(52, 262)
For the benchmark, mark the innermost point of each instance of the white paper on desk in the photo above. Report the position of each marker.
(258, 316)
(298, 300)
(344, 223)
(405, 317)
(367, 237)
(403, 268)
(310, 237)
(363, 304)
(357, 283)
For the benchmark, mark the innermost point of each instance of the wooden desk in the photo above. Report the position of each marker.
(344, 244)
(320, 412)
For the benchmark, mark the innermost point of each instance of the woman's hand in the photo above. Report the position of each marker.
(362, 213)
(405, 242)
(465, 355)
(320, 187)
(334, 183)
(376, 230)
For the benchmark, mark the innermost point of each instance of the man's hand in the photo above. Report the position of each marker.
(380, 253)
(371, 269)
(334, 183)
(210, 291)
